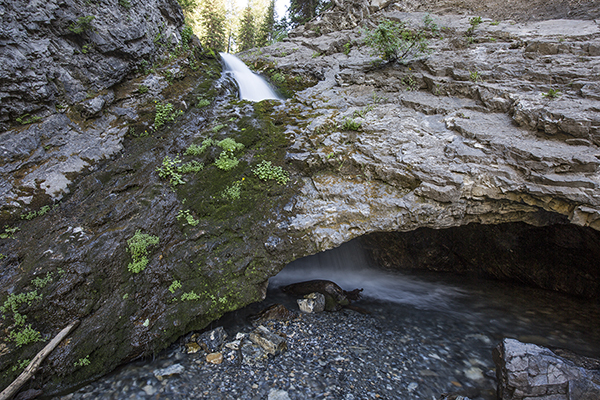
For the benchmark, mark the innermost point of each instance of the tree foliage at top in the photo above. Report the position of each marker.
(211, 20)
(247, 34)
(266, 32)
(302, 11)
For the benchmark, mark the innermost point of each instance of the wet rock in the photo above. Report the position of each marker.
(277, 394)
(276, 312)
(214, 358)
(174, 369)
(192, 347)
(526, 371)
(267, 340)
(252, 354)
(312, 303)
(212, 341)
(335, 296)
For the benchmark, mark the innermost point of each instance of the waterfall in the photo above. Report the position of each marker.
(252, 86)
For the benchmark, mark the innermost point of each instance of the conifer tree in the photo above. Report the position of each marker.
(210, 17)
(302, 11)
(247, 34)
(266, 33)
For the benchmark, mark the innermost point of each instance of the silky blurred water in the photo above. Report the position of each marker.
(252, 86)
(480, 306)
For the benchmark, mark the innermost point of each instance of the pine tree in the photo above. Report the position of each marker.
(302, 11)
(266, 33)
(210, 17)
(247, 37)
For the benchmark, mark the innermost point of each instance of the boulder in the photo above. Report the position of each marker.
(526, 371)
(312, 303)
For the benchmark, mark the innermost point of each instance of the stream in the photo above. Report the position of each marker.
(426, 334)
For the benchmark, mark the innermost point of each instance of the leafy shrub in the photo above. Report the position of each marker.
(25, 336)
(174, 286)
(170, 170)
(351, 125)
(266, 171)
(233, 191)
(165, 113)
(226, 161)
(138, 247)
(392, 41)
(188, 217)
(230, 145)
(552, 94)
(83, 24)
(474, 22)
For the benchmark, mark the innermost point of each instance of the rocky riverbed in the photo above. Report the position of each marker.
(434, 338)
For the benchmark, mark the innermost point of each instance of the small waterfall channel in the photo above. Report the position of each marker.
(251, 86)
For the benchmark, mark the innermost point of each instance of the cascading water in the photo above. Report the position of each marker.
(252, 86)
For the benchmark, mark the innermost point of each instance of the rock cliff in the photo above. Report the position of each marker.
(123, 205)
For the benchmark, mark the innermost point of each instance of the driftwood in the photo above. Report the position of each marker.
(14, 387)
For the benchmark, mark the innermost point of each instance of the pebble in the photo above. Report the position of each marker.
(214, 358)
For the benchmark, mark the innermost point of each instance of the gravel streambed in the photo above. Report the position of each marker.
(413, 350)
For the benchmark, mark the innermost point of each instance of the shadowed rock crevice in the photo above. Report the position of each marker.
(559, 257)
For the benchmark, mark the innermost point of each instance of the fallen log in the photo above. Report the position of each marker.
(33, 366)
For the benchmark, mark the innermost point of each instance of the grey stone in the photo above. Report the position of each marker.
(174, 369)
(278, 394)
(212, 341)
(526, 371)
(267, 340)
(312, 303)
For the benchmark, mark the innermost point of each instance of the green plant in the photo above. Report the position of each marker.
(27, 119)
(125, 4)
(170, 170)
(191, 167)
(86, 48)
(125, 296)
(82, 24)
(174, 286)
(189, 296)
(188, 217)
(226, 161)
(14, 302)
(41, 283)
(138, 247)
(187, 5)
(9, 233)
(351, 125)
(392, 41)
(495, 23)
(474, 22)
(233, 191)
(22, 364)
(278, 78)
(2, 256)
(474, 76)
(364, 111)
(142, 89)
(430, 24)
(32, 214)
(552, 94)
(410, 82)
(316, 54)
(25, 336)
(217, 128)
(165, 113)
(230, 145)
(347, 48)
(202, 102)
(266, 171)
(82, 362)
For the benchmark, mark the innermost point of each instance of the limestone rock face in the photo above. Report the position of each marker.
(60, 61)
(528, 371)
(469, 133)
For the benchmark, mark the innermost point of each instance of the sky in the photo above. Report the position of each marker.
(280, 6)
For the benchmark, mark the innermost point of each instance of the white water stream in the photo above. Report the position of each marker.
(252, 86)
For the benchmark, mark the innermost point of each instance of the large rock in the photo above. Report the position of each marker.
(526, 371)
